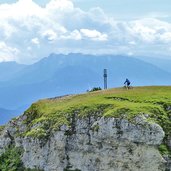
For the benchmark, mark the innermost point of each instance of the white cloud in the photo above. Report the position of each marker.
(94, 34)
(166, 37)
(20, 10)
(151, 30)
(35, 41)
(74, 35)
(145, 33)
(7, 53)
(62, 5)
(50, 35)
(29, 32)
(132, 43)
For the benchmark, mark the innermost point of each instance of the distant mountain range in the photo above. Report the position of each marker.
(6, 115)
(163, 63)
(21, 85)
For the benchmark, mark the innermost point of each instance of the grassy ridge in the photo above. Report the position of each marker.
(119, 102)
(49, 114)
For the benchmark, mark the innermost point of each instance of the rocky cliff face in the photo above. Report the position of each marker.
(91, 144)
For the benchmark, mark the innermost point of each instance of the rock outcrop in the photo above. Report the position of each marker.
(101, 144)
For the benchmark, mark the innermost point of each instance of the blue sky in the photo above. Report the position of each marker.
(30, 30)
(131, 8)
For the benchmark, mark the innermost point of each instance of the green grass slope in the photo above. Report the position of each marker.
(154, 102)
(46, 116)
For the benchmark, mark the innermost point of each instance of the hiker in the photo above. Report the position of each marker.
(127, 83)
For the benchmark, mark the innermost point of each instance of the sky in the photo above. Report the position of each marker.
(33, 29)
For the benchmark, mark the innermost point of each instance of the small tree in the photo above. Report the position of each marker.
(95, 89)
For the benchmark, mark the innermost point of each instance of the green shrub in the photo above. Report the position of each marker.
(11, 160)
(164, 150)
(2, 128)
(95, 89)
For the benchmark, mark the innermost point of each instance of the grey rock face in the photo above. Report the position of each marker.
(103, 144)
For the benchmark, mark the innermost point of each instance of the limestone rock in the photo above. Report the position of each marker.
(101, 144)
